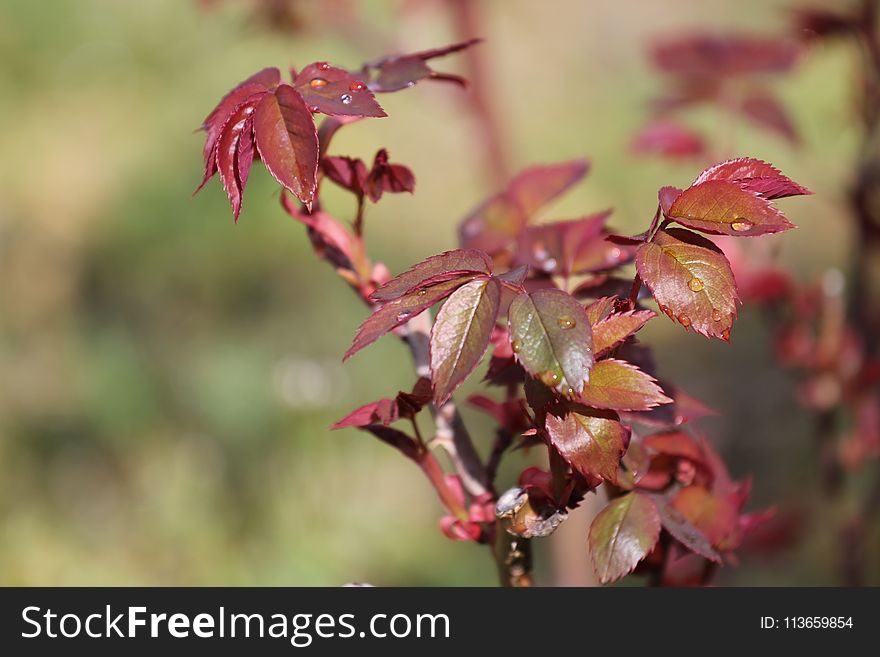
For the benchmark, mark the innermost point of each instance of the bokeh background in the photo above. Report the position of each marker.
(168, 378)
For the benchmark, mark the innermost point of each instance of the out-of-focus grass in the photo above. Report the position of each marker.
(169, 378)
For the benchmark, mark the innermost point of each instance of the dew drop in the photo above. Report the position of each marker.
(322, 66)
(566, 322)
(403, 315)
(317, 83)
(569, 392)
(684, 320)
(313, 109)
(741, 225)
(716, 315)
(550, 378)
(516, 345)
(667, 311)
(696, 284)
(725, 335)
(346, 99)
(357, 85)
(423, 292)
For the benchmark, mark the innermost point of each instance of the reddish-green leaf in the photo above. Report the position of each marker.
(551, 336)
(621, 386)
(331, 90)
(714, 515)
(622, 534)
(592, 445)
(724, 207)
(452, 263)
(398, 311)
(612, 330)
(494, 224)
(287, 141)
(691, 280)
(461, 334)
(684, 531)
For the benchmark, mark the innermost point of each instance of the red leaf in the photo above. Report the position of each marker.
(723, 207)
(715, 516)
(258, 83)
(230, 163)
(668, 138)
(691, 280)
(403, 71)
(399, 311)
(667, 196)
(617, 327)
(683, 531)
(765, 111)
(494, 224)
(754, 176)
(382, 412)
(621, 386)
(454, 264)
(592, 444)
(732, 54)
(331, 90)
(287, 141)
(461, 333)
(348, 173)
(622, 534)
(387, 177)
(674, 443)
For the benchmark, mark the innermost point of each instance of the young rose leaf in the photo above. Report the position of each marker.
(683, 531)
(723, 207)
(387, 177)
(691, 281)
(455, 263)
(349, 173)
(233, 166)
(674, 443)
(331, 90)
(667, 196)
(551, 336)
(514, 278)
(764, 110)
(668, 139)
(403, 71)
(622, 534)
(258, 83)
(461, 334)
(714, 515)
(399, 311)
(621, 386)
(613, 329)
(755, 176)
(495, 223)
(382, 412)
(570, 247)
(592, 444)
(287, 141)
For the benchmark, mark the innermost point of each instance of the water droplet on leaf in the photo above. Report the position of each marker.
(357, 85)
(725, 335)
(516, 345)
(666, 310)
(684, 320)
(716, 315)
(696, 284)
(317, 83)
(741, 225)
(313, 109)
(346, 99)
(550, 378)
(322, 66)
(423, 292)
(403, 315)
(566, 322)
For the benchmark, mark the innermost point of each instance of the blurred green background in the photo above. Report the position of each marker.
(169, 378)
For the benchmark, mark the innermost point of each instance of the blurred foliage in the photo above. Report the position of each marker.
(169, 378)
